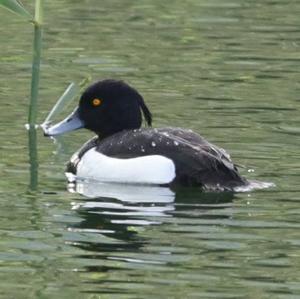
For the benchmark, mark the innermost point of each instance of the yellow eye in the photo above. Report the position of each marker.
(97, 102)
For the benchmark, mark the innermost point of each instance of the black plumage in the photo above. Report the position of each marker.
(197, 162)
(116, 118)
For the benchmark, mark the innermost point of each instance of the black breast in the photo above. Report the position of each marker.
(197, 161)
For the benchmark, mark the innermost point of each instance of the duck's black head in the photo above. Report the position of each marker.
(106, 107)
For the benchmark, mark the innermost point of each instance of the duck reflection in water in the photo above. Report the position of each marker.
(119, 211)
(125, 200)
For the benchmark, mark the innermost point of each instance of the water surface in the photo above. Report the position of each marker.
(226, 69)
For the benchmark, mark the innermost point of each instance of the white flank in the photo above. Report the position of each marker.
(153, 169)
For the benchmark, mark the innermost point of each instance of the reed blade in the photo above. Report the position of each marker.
(65, 99)
(69, 94)
(16, 7)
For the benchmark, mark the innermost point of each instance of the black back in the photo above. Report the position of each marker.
(197, 162)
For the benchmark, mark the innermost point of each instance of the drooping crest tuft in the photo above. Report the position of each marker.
(146, 112)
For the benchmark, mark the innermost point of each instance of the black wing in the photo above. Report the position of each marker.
(197, 161)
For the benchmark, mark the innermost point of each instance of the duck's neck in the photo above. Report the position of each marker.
(102, 136)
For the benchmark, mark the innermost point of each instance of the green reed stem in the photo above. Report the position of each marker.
(35, 80)
(33, 158)
(37, 48)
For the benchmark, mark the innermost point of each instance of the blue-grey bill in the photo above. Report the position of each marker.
(70, 123)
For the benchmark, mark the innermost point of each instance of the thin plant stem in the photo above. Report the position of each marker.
(33, 158)
(35, 79)
(37, 47)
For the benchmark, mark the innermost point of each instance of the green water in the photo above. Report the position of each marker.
(226, 69)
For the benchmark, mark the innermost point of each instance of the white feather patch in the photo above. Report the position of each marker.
(153, 169)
